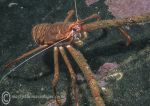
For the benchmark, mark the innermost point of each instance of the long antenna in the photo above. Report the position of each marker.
(14, 69)
(76, 11)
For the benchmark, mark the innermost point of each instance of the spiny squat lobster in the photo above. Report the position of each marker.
(63, 34)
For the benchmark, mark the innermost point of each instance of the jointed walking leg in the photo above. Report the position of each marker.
(56, 73)
(79, 58)
(69, 16)
(71, 72)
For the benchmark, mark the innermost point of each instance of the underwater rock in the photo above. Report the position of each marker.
(90, 2)
(104, 74)
(109, 79)
(107, 75)
(80, 77)
(128, 8)
(102, 71)
(102, 83)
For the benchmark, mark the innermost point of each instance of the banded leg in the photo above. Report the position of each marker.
(79, 58)
(56, 74)
(126, 35)
(72, 74)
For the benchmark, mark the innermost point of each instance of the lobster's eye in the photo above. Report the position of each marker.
(74, 29)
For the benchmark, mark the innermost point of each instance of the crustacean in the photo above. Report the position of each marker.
(61, 35)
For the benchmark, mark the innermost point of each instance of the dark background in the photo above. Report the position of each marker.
(101, 46)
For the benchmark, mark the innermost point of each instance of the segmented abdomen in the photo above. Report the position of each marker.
(46, 33)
